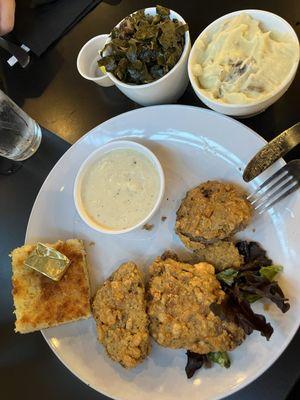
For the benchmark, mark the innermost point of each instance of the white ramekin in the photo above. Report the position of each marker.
(269, 21)
(87, 61)
(96, 156)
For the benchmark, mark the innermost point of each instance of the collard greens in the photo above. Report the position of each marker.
(144, 47)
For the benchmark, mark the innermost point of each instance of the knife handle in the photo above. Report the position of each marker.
(272, 151)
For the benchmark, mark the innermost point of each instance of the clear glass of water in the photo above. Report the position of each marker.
(20, 135)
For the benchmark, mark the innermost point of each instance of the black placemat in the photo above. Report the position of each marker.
(39, 25)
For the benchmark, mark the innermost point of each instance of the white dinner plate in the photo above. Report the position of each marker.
(193, 145)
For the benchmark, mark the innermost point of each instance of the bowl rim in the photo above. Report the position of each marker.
(102, 150)
(275, 92)
(183, 54)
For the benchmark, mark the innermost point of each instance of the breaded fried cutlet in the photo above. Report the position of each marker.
(179, 302)
(119, 309)
(41, 302)
(213, 211)
(221, 254)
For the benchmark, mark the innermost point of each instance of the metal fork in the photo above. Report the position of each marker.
(282, 183)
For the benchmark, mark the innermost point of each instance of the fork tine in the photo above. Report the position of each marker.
(267, 193)
(275, 175)
(274, 194)
(285, 194)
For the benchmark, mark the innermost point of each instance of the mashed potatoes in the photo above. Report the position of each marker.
(241, 62)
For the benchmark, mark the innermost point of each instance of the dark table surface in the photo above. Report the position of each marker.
(53, 93)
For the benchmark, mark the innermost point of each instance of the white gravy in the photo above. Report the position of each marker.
(120, 190)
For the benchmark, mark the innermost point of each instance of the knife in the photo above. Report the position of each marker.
(272, 151)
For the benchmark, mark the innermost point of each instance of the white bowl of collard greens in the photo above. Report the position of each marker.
(146, 56)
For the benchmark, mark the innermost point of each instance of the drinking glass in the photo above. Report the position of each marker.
(20, 135)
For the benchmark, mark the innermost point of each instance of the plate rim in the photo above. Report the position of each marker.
(288, 340)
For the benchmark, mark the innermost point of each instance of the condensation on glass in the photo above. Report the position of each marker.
(20, 135)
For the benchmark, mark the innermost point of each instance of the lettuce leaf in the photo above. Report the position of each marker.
(195, 361)
(220, 357)
(270, 272)
(250, 283)
(254, 255)
(228, 276)
(255, 279)
(238, 310)
(251, 298)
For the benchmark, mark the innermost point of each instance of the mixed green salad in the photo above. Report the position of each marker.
(252, 282)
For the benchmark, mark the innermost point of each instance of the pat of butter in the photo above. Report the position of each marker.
(47, 261)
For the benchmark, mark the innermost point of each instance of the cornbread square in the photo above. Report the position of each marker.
(41, 302)
(180, 295)
(119, 308)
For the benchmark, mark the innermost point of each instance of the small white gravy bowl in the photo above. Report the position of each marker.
(96, 156)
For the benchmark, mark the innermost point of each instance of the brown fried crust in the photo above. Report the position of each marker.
(221, 254)
(213, 211)
(119, 308)
(180, 296)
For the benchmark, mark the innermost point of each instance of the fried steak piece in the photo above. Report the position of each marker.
(213, 211)
(221, 254)
(179, 302)
(119, 309)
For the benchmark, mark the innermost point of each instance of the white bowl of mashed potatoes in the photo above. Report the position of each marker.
(243, 62)
(119, 187)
